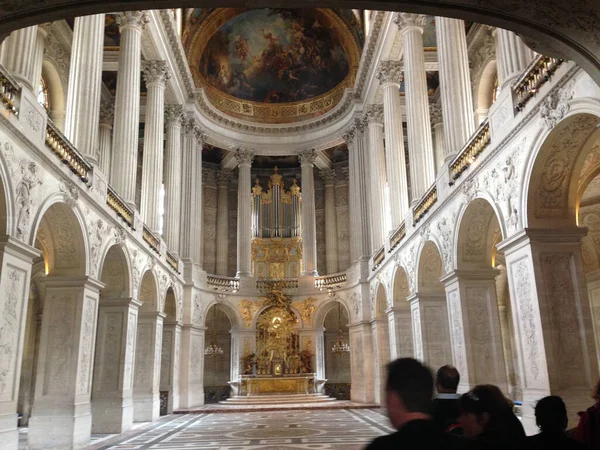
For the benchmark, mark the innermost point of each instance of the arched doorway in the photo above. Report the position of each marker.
(169, 362)
(112, 402)
(337, 364)
(69, 299)
(381, 342)
(217, 365)
(429, 311)
(401, 336)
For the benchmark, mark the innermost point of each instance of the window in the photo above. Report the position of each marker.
(495, 88)
(42, 95)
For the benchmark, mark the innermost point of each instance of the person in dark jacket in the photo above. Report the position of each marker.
(551, 418)
(488, 421)
(588, 428)
(408, 399)
(444, 408)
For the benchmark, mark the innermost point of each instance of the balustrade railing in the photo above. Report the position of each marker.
(429, 199)
(266, 284)
(397, 236)
(378, 257)
(334, 280)
(173, 261)
(9, 91)
(151, 239)
(471, 151)
(538, 73)
(221, 283)
(61, 147)
(118, 205)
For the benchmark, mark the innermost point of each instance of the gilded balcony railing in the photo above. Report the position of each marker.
(334, 280)
(397, 236)
(471, 151)
(539, 73)
(151, 239)
(378, 257)
(62, 148)
(267, 284)
(115, 203)
(173, 261)
(423, 207)
(9, 91)
(224, 284)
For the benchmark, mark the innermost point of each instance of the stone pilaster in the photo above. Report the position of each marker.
(127, 105)
(146, 401)
(309, 225)
(169, 367)
(85, 80)
(17, 56)
(378, 176)
(112, 405)
(223, 177)
(435, 113)
(381, 346)
(105, 138)
(420, 147)
(156, 75)
(61, 416)
(173, 169)
(513, 56)
(342, 202)
(15, 263)
(455, 84)
(244, 229)
(361, 363)
(390, 75)
(331, 235)
(191, 386)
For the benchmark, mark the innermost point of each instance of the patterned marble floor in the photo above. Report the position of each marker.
(346, 429)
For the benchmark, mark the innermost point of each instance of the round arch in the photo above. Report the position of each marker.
(148, 294)
(115, 272)
(230, 311)
(429, 267)
(400, 287)
(55, 87)
(326, 307)
(381, 301)
(484, 89)
(170, 308)
(292, 309)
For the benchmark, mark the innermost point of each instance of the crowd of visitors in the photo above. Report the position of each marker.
(481, 419)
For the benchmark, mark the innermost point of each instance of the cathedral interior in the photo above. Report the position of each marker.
(253, 210)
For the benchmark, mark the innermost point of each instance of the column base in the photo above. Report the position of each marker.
(146, 407)
(9, 435)
(59, 431)
(112, 415)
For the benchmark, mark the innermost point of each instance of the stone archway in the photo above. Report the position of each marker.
(217, 367)
(337, 367)
(381, 342)
(169, 360)
(401, 337)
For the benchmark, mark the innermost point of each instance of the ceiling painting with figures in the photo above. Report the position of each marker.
(278, 64)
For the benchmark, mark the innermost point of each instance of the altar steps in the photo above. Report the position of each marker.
(277, 399)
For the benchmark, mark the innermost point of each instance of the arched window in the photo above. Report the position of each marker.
(42, 95)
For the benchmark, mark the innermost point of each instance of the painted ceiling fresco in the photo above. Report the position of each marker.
(274, 56)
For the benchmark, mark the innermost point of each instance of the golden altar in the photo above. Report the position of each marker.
(286, 384)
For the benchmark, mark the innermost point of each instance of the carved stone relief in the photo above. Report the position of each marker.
(60, 327)
(458, 334)
(113, 325)
(197, 311)
(10, 308)
(86, 345)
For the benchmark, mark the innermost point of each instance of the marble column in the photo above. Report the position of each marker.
(61, 416)
(169, 367)
(17, 56)
(512, 56)
(378, 176)
(191, 198)
(223, 177)
(146, 400)
(15, 263)
(85, 80)
(156, 75)
(105, 138)
(127, 105)
(38, 55)
(476, 337)
(331, 233)
(420, 146)
(112, 392)
(244, 228)
(431, 334)
(390, 75)
(191, 386)
(455, 84)
(552, 318)
(309, 223)
(435, 113)
(172, 178)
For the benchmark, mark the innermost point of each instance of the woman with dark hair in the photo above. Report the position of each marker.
(488, 421)
(588, 429)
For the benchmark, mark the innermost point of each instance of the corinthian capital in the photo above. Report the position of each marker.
(223, 177)
(155, 71)
(244, 156)
(173, 115)
(135, 19)
(107, 113)
(390, 72)
(407, 21)
(435, 113)
(307, 156)
(328, 177)
(356, 130)
(375, 114)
